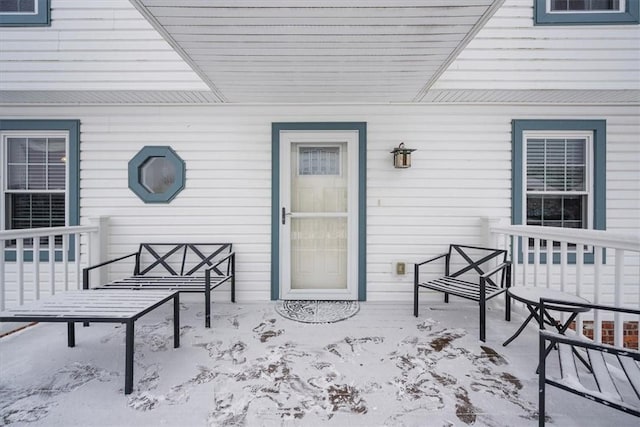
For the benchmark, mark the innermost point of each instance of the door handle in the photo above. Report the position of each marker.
(285, 214)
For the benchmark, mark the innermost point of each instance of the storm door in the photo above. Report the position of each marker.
(319, 215)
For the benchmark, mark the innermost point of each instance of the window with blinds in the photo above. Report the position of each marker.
(18, 6)
(557, 190)
(36, 181)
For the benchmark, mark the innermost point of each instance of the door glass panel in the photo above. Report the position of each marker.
(319, 216)
(319, 178)
(319, 253)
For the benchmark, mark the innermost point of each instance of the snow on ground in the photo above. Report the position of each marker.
(382, 367)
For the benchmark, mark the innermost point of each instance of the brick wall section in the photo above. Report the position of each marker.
(629, 332)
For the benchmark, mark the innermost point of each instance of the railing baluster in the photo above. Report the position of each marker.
(597, 279)
(65, 261)
(20, 269)
(52, 263)
(536, 261)
(579, 279)
(549, 262)
(563, 266)
(525, 260)
(36, 267)
(618, 334)
(78, 267)
(563, 274)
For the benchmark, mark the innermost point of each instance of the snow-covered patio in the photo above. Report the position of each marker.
(256, 368)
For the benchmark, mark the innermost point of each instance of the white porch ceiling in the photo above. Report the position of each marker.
(281, 51)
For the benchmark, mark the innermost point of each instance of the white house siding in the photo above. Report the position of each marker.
(461, 173)
(510, 52)
(92, 45)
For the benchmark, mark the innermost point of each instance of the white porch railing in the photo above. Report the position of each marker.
(600, 266)
(24, 280)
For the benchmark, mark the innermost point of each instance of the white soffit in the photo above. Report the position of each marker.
(317, 51)
(443, 96)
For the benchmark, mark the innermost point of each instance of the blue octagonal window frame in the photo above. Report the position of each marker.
(135, 180)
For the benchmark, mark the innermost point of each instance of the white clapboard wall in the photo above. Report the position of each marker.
(510, 52)
(461, 173)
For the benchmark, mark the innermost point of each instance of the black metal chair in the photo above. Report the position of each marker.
(465, 277)
(611, 376)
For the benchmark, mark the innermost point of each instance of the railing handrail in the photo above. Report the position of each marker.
(46, 231)
(600, 238)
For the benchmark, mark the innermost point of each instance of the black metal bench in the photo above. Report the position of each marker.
(465, 277)
(184, 267)
(611, 376)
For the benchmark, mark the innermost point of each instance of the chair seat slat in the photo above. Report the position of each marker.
(602, 374)
(632, 371)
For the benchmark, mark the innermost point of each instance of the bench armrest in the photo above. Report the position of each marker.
(496, 269)
(587, 343)
(418, 264)
(86, 270)
(221, 260)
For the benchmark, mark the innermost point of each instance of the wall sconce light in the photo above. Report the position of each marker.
(402, 156)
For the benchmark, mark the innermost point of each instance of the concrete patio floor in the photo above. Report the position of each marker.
(382, 367)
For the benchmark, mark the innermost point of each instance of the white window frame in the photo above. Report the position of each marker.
(589, 170)
(4, 136)
(621, 8)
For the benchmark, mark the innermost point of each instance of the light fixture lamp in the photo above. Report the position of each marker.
(402, 156)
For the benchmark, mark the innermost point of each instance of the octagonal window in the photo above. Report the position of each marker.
(156, 174)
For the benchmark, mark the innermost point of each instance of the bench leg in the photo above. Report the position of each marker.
(207, 307)
(233, 289)
(128, 364)
(541, 382)
(483, 318)
(446, 297)
(176, 320)
(71, 334)
(507, 307)
(233, 278)
(415, 300)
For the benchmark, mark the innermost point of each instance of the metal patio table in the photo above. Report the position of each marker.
(530, 296)
(100, 306)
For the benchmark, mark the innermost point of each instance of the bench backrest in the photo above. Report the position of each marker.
(469, 262)
(182, 259)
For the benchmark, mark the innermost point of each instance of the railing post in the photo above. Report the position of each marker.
(98, 248)
(490, 238)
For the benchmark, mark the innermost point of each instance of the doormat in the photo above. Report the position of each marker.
(315, 311)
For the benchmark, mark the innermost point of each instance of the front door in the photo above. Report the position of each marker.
(319, 215)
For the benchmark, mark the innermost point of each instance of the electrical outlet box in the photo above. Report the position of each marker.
(401, 268)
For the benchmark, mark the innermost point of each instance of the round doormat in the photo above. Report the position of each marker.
(317, 311)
